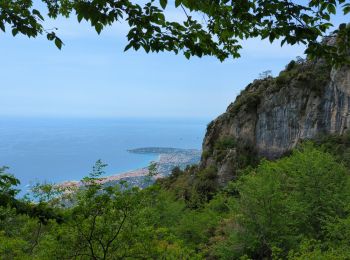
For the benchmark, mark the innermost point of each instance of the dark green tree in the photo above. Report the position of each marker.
(294, 204)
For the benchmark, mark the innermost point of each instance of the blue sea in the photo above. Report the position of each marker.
(56, 150)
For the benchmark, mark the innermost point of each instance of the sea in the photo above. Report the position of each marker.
(53, 150)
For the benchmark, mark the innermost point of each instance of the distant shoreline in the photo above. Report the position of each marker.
(159, 150)
(168, 159)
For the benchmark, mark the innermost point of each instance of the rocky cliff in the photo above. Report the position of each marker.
(272, 115)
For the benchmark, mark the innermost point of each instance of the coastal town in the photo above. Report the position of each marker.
(168, 159)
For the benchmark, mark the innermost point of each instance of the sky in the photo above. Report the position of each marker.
(93, 77)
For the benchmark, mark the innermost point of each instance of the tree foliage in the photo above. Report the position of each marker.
(213, 28)
(293, 208)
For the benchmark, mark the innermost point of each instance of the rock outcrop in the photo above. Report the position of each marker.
(272, 115)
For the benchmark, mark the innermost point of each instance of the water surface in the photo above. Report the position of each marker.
(56, 150)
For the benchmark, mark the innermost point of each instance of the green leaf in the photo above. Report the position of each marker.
(146, 48)
(128, 47)
(346, 9)
(58, 43)
(79, 17)
(98, 27)
(331, 9)
(14, 31)
(163, 3)
(2, 26)
(37, 13)
(51, 36)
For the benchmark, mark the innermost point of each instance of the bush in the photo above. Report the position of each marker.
(247, 99)
(291, 65)
(206, 154)
(222, 146)
(225, 143)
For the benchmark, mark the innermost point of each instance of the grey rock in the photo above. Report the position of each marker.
(279, 118)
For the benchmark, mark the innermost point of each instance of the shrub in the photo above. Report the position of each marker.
(226, 142)
(206, 154)
(291, 65)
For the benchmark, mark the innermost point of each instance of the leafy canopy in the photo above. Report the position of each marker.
(296, 207)
(213, 28)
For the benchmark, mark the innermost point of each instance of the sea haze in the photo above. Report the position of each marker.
(55, 150)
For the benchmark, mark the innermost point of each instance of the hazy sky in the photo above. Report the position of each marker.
(92, 76)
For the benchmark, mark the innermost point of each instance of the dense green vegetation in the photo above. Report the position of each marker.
(294, 208)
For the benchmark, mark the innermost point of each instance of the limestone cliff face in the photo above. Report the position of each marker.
(272, 115)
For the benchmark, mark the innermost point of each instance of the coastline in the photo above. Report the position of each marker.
(168, 159)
